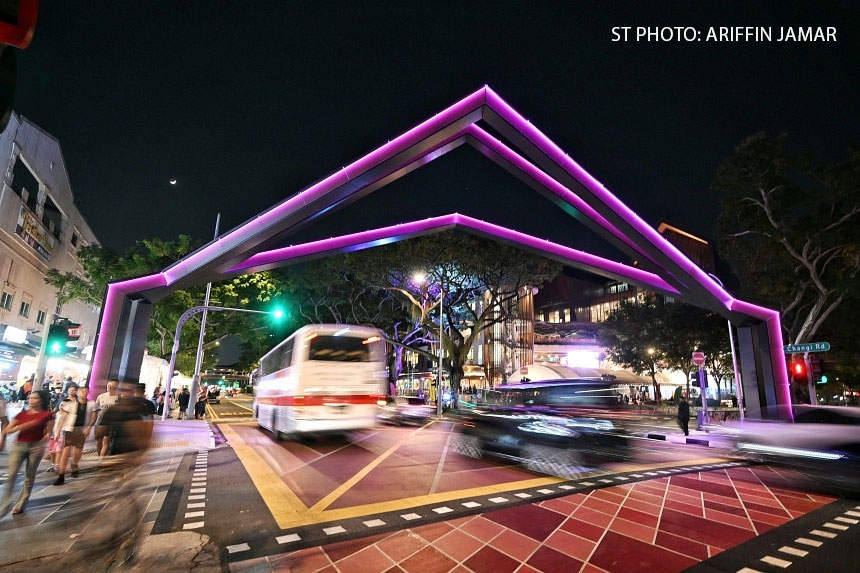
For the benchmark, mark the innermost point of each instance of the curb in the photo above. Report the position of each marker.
(693, 441)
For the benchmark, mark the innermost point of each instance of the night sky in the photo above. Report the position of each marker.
(246, 103)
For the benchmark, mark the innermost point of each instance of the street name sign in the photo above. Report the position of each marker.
(810, 347)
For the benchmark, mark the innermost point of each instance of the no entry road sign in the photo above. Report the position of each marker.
(699, 358)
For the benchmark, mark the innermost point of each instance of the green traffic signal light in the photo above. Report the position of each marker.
(54, 347)
(278, 314)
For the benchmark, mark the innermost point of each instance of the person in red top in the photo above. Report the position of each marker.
(32, 427)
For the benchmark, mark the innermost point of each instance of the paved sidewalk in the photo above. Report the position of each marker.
(61, 524)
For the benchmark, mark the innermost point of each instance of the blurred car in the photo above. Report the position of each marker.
(557, 427)
(213, 395)
(401, 410)
(818, 432)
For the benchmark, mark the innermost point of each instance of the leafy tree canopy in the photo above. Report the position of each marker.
(789, 226)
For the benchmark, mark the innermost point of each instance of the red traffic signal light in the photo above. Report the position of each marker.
(798, 370)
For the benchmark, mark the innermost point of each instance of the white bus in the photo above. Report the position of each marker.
(325, 378)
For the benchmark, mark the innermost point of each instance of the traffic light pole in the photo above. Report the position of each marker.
(42, 360)
(813, 399)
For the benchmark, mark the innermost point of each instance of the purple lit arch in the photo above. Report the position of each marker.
(258, 244)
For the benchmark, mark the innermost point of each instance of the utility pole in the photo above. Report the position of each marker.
(195, 381)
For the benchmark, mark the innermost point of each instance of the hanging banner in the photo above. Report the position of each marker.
(34, 234)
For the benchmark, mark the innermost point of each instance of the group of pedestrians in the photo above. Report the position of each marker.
(121, 416)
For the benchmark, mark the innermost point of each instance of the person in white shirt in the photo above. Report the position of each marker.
(103, 402)
(73, 421)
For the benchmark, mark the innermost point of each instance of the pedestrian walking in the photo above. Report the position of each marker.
(184, 398)
(104, 401)
(32, 427)
(200, 406)
(73, 421)
(684, 415)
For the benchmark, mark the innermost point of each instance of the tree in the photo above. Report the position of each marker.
(689, 328)
(789, 226)
(633, 336)
(376, 286)
(102, 265)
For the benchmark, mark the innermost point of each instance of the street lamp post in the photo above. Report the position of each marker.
(179, 324)
(439, 384)
(420, 278)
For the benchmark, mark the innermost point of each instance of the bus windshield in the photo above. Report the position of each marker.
(339, 349)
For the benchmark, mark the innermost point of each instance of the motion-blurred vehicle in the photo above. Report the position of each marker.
(325, 378)
(818, 432)
(402, 410)
(557, 427)
(213, 395)
(823, 441)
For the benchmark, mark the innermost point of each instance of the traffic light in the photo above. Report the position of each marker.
(17, 23)
(798, 371)
(58, 337)
(818, 375)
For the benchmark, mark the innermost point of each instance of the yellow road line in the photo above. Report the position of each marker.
(289, 511)
(347, 485)
(243, 407)
(211, 411)
(284, 505)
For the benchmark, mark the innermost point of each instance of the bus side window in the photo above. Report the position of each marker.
(288, 353)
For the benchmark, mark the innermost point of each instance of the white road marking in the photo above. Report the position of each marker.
(194, 525)
(334, 530)
(196, 497)
(794, 551)
(471, 504)
(835, 526)
(846, 520)
(636, 475)
(852, 513)
(810, 542)
(523, 495)
(606, 481)
(776, 561)
(288, 538)
(622, 478)
(820, 533)
(196, 505)
(238, 548)
(441, 510)
(410, 516)
(374, 523)
(546, 491)
(194, 514)
(748, 570)
(198, 490)
(498, 499)
(566, 487)
(586, 483)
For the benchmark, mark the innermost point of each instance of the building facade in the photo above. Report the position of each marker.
(40, 229)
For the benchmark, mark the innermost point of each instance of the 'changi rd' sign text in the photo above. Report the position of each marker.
(811, 347)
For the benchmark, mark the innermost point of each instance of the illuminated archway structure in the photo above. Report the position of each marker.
(258, 244)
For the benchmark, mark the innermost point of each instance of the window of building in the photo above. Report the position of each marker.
(25, 184)
(41, 316)
(74, 239)
(25, 309)
(6, 300)
(617, 287)
(52, 218)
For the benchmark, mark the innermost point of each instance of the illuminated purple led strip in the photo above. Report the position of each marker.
(108, 324)
(548, 182)
(484, 96)
(555, 153)
(236, 237)
(377, 237)
(777, 357)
